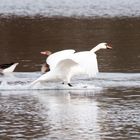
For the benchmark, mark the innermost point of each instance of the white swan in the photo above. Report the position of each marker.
(7, 68)
(65, 64)
(53, 59)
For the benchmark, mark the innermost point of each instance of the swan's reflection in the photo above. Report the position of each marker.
(58, 114)
(70, 113)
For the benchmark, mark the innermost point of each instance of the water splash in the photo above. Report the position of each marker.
(21, 81)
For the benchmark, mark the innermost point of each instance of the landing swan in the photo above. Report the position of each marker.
(67, 63)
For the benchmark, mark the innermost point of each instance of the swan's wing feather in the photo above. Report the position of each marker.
(62, 71)
(4, 66)
(87, 61)
(54, 58)
(65, 66)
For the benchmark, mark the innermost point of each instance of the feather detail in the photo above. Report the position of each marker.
(55, 58)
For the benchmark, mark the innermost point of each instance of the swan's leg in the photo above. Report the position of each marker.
(68, 81)
(70, 85)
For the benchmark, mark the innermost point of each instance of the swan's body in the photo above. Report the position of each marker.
(65, 64)
(7, 68)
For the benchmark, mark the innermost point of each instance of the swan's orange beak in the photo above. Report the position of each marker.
(109, 47)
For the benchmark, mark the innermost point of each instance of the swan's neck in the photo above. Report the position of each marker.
(95, 49)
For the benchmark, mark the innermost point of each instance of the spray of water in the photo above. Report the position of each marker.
(21, 81)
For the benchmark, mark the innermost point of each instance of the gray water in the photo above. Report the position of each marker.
(71, 8)
(94, 115)
(102, 108)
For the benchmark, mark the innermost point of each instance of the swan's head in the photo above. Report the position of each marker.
(101, 46)
(104, 46)
(47, 53)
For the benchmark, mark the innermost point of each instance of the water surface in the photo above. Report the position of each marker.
(108, 114)
(22, 39)
(107, 109)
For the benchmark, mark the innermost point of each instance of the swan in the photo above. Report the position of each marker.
(45, 68)
(7, 68)
(53, 59)
(67, 63)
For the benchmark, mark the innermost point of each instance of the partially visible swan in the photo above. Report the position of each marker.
(7, 68)
(65, 64)
(45, 67)
(53, 59)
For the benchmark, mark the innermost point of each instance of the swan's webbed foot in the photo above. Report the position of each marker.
(70, 85)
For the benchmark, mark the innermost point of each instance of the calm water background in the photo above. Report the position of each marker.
(22, 39)
(110, 113)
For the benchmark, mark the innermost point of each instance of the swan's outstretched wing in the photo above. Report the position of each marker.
(55, 58)
(87, 61)
(62, 72)
(65, 66)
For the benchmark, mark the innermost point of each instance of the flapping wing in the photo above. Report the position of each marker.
(65, 66)
(87, 61)
(55, 58)
(62, 71)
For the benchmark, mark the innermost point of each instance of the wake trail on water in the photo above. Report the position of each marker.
(22, 81)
